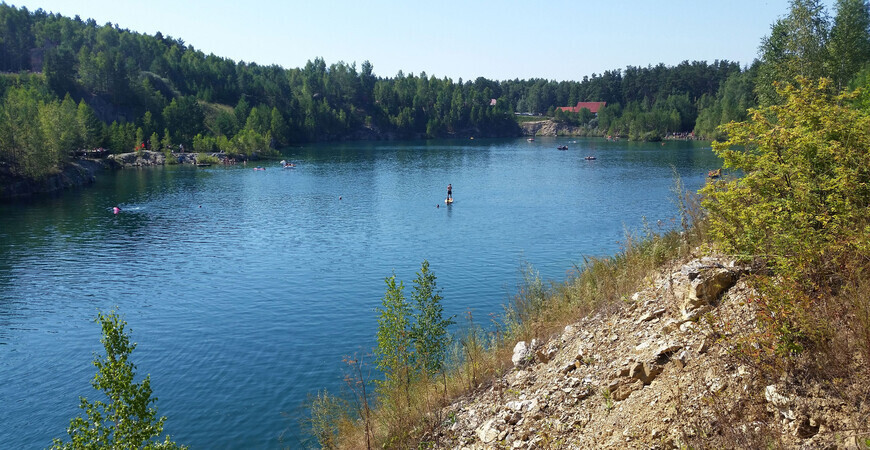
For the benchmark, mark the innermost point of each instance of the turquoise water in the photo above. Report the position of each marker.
(244, 289)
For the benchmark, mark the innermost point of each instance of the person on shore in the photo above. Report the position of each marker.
(449, 192)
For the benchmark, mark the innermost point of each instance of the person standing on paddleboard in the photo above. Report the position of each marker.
(449, 192)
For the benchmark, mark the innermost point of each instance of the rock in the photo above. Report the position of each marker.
(680, 359)
(665, 352)
(522, 354)
(624, 390)
(806, 428)
(645, 372)
(852, 443)
(650, 316)
(622, 372)
(705, 289)
(779, 401)
(614, 384)
(487, 432)
(546, 353)
(567, 368)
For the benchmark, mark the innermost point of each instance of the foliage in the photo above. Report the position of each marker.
(730, 104)
(429, 330)
(395, 345)
(327, 412)
(850, 40)
(805, 187)
(797, 47)
(801, 205)
(128, 420)
(36, 131)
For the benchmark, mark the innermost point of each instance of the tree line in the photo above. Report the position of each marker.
(160, 91)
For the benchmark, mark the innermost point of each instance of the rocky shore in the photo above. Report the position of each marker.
(81, 172)
(551, 128)
(659, 371)
(76, 173)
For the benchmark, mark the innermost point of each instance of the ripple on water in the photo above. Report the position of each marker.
(245, 289)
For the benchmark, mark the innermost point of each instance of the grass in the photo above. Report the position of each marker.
(205, 158)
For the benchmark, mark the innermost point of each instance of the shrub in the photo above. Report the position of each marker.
(801, 205)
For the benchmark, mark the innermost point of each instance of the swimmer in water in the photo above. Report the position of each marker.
(116, 210)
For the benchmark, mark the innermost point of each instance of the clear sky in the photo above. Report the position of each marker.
(555, 39)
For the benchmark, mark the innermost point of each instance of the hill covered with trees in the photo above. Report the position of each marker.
(69, 83)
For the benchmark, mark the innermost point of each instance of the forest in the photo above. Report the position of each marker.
(69, 84)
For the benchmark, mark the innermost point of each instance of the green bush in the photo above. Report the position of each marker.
(805, 187)
(801, 205)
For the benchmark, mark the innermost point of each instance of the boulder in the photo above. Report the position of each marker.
(522, 354)
(487, 432)
(704, 290)
(645, 372)
(779, 401)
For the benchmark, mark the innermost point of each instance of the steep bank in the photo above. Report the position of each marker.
(81, 172)
(76, 173)
(552, 128)
(659, 370)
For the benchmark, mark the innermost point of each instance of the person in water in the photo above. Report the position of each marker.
(116, 210)
(449, 192)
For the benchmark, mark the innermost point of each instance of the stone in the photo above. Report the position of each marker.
(546, 353)
(645, 372)
(781, 402)
(681, 359)
(614, 384)
(624, 390)
(705, 289)
(666, 352)
(487, 432)
(650, 316)
(522, 354)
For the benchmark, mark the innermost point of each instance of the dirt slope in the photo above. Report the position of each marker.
(660, 371)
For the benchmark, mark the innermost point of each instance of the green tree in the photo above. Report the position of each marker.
(850, 40)
(186, 119)
(90, 127)
(393, 353)
(278, 127)
(797, 47)
(127, 419)
(429, 330)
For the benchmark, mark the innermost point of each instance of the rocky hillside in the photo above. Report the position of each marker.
(73, 174)
(662, 370)
(550, 128)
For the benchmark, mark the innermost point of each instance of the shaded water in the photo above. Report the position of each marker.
(245, 288)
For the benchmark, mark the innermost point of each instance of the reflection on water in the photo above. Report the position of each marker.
(245, 288)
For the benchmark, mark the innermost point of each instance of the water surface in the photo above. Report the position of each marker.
(244, 289)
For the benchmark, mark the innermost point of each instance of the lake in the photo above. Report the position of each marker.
(244, 289)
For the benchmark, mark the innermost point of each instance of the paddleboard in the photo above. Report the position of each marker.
(448, 201)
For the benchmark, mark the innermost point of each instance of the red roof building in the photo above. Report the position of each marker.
(591, 106)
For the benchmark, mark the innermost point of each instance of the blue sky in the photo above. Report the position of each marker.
(556, 39)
